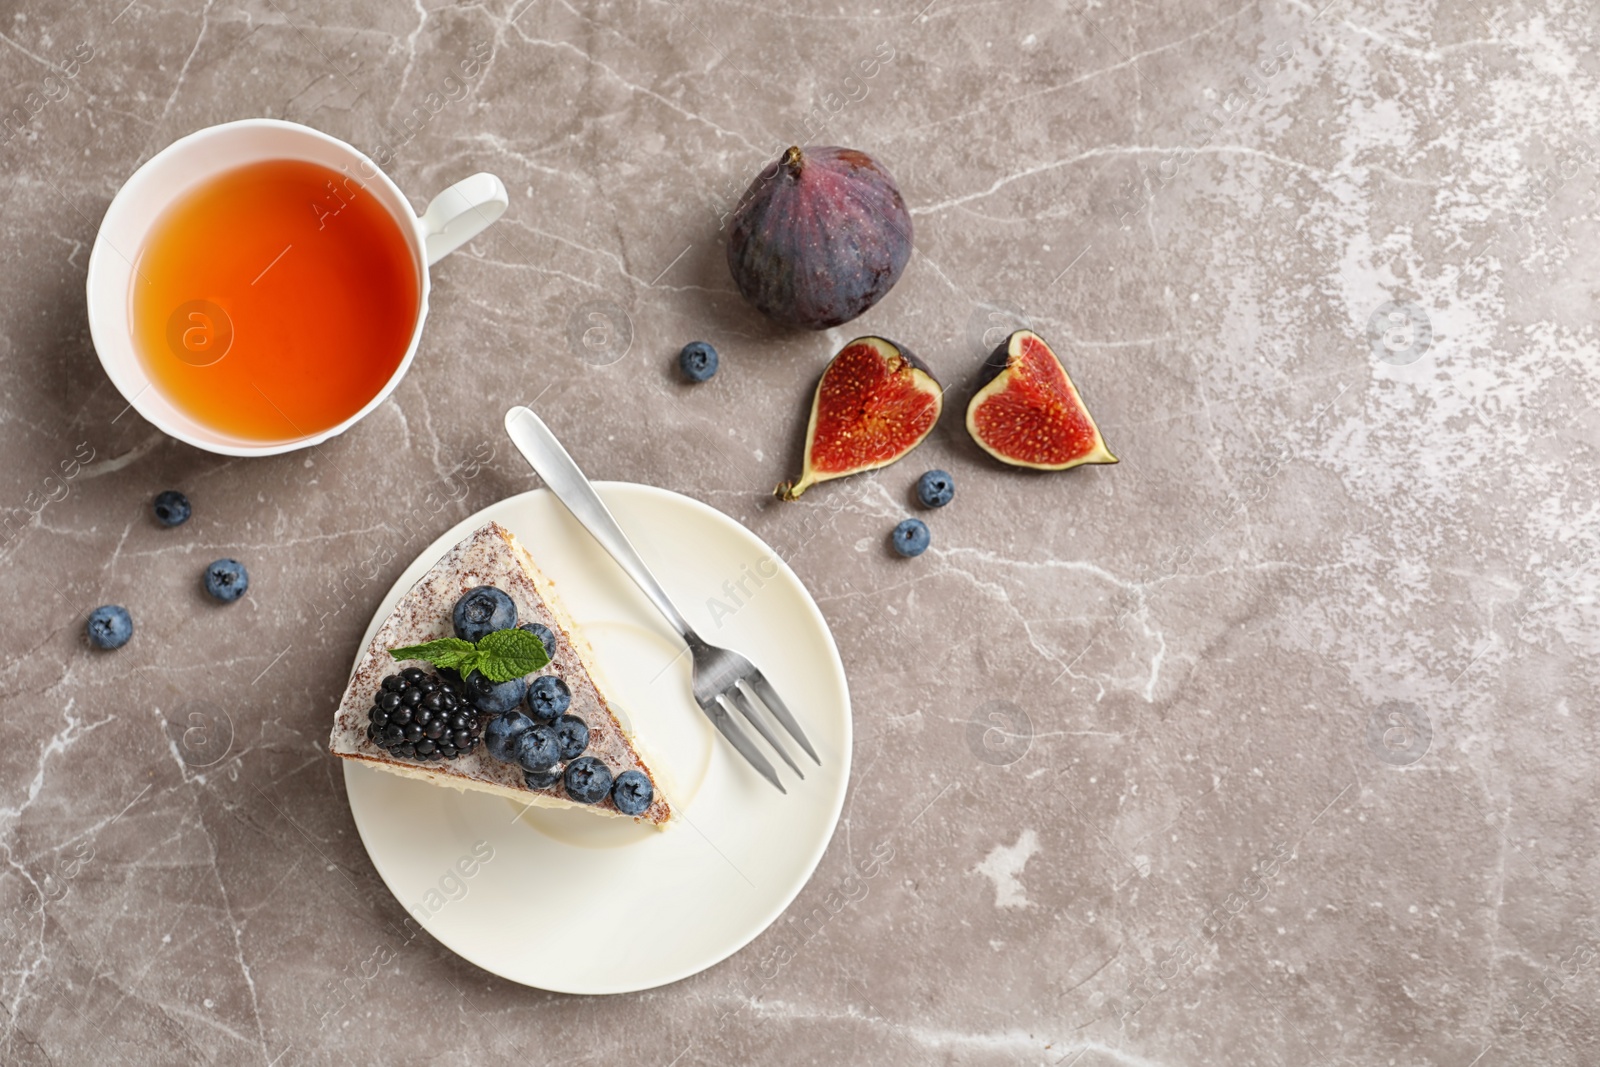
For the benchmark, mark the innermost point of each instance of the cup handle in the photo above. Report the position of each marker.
(460, 213)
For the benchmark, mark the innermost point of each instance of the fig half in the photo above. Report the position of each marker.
(875, 402)
(819, 237)
(1029, 414)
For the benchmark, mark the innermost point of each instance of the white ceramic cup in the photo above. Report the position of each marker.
(453, 218)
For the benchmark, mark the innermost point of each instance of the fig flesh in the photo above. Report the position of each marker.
(819, 237)
(1029, 414)
(875, 402)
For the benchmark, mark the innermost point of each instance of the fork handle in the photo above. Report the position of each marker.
(561, 475)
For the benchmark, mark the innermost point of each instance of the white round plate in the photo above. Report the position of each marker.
(575, 902)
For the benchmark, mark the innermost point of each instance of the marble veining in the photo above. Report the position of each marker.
(1272, 744)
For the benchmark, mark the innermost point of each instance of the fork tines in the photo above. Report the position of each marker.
(746, 690)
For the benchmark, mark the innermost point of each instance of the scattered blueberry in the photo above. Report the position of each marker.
(935, 489)
(911, 537)
(542, 779)
(226, 579)
(548, 696)
(543, 633)
(588, 780)
(482, 611)
(537, 749)
(698, 361)
(172, 508)
(573, 734)
(495, 697)
(502, 732)
(632, 793)
(110, 626)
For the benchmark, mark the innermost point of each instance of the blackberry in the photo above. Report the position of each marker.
(422, 716)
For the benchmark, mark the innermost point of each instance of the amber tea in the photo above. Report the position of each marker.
(275, 300)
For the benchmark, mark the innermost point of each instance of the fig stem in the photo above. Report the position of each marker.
(792, 490)
(792, 160)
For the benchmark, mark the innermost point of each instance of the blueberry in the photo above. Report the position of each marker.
(502, 732)
(172, 508)
(573, 734)
(494, 697)
(542, 779)
(632, 793)
(698, 361)
(482, 611)
(935, 489)
(911, 537)
(588, 780)
(226, 579)
(548, 697)
(110, 626)
(537, 749)
(543, 633)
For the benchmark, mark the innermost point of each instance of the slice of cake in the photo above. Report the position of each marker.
(550, 738)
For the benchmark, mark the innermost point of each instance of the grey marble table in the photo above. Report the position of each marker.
(1273, 744)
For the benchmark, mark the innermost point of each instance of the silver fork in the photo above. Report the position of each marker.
(718, 672)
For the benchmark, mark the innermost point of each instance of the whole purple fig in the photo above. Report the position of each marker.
(819, 237)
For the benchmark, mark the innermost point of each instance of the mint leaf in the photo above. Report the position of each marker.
(501, 655)
(507, 654)
(451, 652)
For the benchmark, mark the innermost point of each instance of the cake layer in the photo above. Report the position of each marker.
(490, 555)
